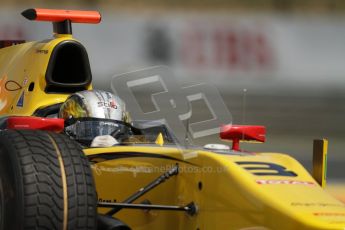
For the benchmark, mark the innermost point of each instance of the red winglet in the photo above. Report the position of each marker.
(242, 132)
(41, 123)
(51, 15)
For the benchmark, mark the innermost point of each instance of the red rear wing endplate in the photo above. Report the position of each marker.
(51, 15)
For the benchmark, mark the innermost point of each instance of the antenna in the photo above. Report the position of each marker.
(244, 101)
(187, 123)
(187, 131)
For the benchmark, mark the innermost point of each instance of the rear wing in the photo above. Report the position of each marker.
(62, 19)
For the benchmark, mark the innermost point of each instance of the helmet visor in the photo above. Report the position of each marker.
(87, 129)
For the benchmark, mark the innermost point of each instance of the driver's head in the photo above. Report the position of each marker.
(92, 113)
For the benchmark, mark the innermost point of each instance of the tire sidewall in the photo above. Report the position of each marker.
(11, 189)
(1, 205)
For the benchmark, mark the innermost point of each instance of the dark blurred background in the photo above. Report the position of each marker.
(289, 55)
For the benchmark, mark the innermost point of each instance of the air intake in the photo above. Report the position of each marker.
(68, 69)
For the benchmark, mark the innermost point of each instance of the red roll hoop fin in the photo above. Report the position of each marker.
(51, 15)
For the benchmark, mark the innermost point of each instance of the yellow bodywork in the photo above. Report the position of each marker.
(227, 188)
(228, 196)
(22, 65)
(337, 190)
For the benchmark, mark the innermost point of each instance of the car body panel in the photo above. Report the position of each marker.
(230, 197)
(21, 65)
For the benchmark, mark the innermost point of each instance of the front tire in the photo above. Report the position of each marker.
(45, 183)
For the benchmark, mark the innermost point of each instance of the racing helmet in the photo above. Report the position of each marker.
(92, 113)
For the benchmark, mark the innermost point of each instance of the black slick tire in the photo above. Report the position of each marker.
(45, 183)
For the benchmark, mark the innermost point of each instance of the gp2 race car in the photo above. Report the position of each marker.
(49, 181)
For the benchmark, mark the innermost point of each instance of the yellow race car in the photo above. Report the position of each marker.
(149, 181)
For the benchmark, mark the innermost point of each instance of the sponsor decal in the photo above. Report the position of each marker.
(337, 222)
(41, 51)
(107, 200)
(20, 102)
(25, 81)
(122, 155)
(311, 204)
(103, 123)
(266, 169)
(110, 104)
(113, 104)
(287, 182)
(3, 93)
(329, 213)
